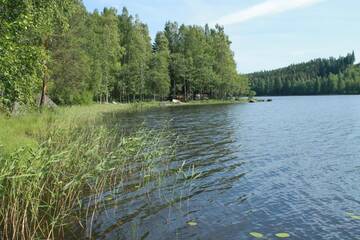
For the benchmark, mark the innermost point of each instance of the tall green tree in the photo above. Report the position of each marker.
(138, 51)
(110, 54)
(71, 62)
(159, 79)
(27, 27)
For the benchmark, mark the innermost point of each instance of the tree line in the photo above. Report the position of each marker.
(319, 76)
(58, 48)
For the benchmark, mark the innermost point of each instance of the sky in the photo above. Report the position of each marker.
(265, 34)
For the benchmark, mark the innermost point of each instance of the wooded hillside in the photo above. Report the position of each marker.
(320, 76)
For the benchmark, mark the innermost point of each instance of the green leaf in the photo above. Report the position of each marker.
(282, 235)
(256, 235)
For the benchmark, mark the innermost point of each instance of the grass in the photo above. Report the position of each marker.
(25, 130)
(51, 161)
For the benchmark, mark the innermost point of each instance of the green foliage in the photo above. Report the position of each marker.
(202, 62)
(137, 44)
(81, 57)
(159, 79)
(70, 63)
(20, 60)
(320, 76)
(25, 26)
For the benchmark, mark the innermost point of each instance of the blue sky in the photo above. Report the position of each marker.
(266, 34)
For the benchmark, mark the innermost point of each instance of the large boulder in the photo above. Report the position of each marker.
(47, 101)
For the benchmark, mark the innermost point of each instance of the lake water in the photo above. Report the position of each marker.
(291, 165)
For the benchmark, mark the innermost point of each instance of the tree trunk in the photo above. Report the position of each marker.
(174, 89)
(44, 89)
(46, 77)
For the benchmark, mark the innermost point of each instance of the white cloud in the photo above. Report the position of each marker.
(266, 8)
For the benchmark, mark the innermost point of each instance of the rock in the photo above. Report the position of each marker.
(269, 100)
(17, 109)
(47, 102)
(176, 101)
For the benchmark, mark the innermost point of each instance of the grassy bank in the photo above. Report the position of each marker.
(49, 162)
(26, 130)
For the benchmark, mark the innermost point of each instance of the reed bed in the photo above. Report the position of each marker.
(59, 159)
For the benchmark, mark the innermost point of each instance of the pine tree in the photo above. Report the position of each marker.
(159, 81)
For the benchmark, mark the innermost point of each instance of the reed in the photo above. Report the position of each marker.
(50, 162)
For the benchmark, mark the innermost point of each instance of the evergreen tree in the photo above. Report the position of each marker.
(70, 62)
(159, 81)
(319, 76)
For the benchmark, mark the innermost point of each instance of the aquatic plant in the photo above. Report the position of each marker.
(43, 185)
(256, 235)
(282, 235)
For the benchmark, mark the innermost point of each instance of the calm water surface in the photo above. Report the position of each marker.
(291, 165)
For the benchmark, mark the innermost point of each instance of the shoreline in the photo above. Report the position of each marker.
(24, 129)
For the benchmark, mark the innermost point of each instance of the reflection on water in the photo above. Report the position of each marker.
(288, 166)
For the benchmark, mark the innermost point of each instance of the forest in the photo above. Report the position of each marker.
(319, 76)
(59, 49)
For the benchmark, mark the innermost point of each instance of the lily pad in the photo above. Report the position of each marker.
(354, 217)
(192, 223)
(256, 235)
(282, 235)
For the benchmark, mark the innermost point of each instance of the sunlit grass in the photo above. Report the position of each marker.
(24, 130)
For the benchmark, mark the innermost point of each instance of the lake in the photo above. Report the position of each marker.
(287, 166)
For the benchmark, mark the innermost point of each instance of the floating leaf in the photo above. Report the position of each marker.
(354, 217)
(282, 235)
(192, 223)
(256, 235)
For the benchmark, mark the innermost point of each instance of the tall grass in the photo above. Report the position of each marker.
(60, 158)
